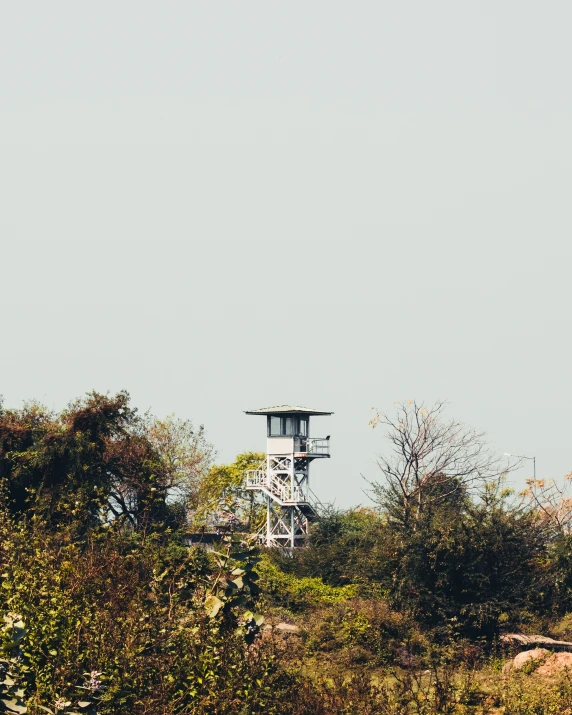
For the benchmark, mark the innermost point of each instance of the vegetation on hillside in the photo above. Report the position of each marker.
(394, 609)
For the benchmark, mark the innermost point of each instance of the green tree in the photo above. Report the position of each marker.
(469, 565)
(222, 496)
(346, 547)
(99, 459)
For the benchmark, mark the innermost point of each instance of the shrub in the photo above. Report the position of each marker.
(133, 609)
(297, 594)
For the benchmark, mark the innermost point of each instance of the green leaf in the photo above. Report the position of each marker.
(258, 618)
(13, 707)
(213, 605)
(18, 633)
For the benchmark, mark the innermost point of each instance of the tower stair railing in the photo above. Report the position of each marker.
(313, 500)
(282, 493)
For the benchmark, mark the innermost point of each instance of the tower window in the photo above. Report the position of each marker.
(290, 426)
(274, 427)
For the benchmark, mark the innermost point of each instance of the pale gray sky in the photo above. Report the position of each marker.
(223, 206)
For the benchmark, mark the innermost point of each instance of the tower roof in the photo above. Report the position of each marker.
(287, 409)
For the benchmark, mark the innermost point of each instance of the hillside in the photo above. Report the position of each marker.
(403, 607)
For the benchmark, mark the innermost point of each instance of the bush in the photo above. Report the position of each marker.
(361, 632)
(297, 594)
(523, 694)
(132, 609)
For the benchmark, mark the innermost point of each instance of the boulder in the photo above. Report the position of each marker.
(286, 628)
(520, 639)
(526, 657)
(555, 664)
(547, 663)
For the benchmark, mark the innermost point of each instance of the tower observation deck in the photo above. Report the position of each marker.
(284, 480)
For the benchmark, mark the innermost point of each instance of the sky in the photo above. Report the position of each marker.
(226, 206)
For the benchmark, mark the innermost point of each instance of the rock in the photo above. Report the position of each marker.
(555, 664)
(286, 628)
(525, 657)
(521, 639)
(549, 664)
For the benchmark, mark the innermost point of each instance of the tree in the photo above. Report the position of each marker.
(553, 502)
(65, 463)
(433, 460)
(469, 566)
(172, 459)
(223, 498)
(186, 457)
(346, 546)
(98, 460)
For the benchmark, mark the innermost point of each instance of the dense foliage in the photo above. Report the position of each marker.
(395, 609)
(467, 569)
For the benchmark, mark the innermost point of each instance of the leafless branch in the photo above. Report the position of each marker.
(553, 502)
(432, 457)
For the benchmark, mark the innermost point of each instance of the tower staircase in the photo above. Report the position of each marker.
(283, 493)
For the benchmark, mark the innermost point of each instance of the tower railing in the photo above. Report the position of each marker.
(255, 478)
(318, 445)
(285, 493)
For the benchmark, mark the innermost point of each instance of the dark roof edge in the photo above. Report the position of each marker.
(287, 410)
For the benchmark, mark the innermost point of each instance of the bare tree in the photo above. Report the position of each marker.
(434, 459)
(553, 502)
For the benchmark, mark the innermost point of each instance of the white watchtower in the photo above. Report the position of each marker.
(290, 505)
